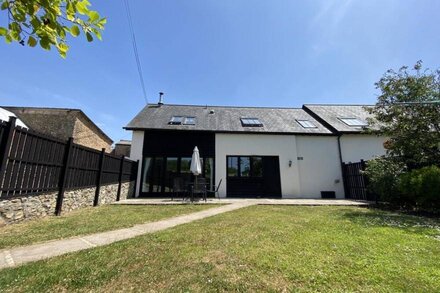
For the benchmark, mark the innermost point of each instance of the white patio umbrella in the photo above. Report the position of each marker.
(196, 165)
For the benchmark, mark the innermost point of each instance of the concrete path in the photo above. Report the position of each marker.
(258, 201)
(19, 255)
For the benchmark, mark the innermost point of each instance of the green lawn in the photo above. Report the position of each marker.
(89, 220)
(259, 248)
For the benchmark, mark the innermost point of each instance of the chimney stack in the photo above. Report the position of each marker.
(160, 99)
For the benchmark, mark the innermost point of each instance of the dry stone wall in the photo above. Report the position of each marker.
(19, 209)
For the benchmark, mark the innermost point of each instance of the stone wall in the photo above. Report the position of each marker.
(19, 209)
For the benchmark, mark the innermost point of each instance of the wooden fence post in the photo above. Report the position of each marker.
(63, 176)
(99, 177)
(121, 170)
(5, 145)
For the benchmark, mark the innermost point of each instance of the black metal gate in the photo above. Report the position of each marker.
(355, 182)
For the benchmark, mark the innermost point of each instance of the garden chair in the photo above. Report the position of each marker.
(178, 188)
(199, 187)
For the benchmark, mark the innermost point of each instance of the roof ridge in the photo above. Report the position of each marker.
(218, 106)
(338, 105)
(42, 108)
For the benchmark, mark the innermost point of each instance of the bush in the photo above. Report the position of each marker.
(421, 188)
(383, 176)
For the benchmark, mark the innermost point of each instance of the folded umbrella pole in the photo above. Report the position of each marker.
(196, 165)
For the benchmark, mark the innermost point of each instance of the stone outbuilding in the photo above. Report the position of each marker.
(122, 148)
(64, 123)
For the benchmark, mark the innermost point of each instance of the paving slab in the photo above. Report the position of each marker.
(19, 255)
(259, 201)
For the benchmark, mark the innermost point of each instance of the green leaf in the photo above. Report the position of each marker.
(98, 34)
(44, 43)
(5, 5)
(89, 37)
(8, 39)
(32, 42)
(3, 31)
(74, 30)
(93, 16)
(62, 49)
(100, 24)
(36, 23)
(81, 7)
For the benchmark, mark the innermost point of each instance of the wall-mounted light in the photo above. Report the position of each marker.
(290, 163)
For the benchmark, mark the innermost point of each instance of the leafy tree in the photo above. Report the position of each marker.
(408, 112)
(47, 22)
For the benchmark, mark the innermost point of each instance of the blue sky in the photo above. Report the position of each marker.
(229, 52)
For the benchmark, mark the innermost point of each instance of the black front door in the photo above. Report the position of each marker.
(271, 172)
(253, 176)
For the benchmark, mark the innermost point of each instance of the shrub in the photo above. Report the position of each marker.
(383, 175)
(421, 187)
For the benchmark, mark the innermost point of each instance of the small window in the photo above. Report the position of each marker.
(251, 122)
(176, 120)
(354, 121)
(189, 121)
(306, 123)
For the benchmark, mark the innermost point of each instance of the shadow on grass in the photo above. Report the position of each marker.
(376, 218)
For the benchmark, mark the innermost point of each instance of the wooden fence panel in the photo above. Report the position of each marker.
(32, 163)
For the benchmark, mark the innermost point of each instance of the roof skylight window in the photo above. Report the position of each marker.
(176, 120)
(306, 123)
(354, 122)
(189, 121)
(251, 122)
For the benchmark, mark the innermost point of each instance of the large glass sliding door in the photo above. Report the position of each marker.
(171, 171)
(158, 173)
(147, 173)
(253, 176)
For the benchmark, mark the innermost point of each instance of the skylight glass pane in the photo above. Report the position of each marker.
(190, 121)
(176, 120)
(251, 122)
(306, 123)
(256, 121)
(353, 121)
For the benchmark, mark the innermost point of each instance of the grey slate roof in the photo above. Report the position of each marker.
(331, 113)
(226, 119)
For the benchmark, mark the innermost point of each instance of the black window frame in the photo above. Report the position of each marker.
(162, 175)
(239, 171)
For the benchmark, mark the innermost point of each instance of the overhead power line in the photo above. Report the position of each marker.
(135, 50)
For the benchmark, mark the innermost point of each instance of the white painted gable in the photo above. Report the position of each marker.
(5, 114)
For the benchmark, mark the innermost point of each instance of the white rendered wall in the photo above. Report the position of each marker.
(319, 166)
(137, 144)
(356, 147)
(283, 146)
